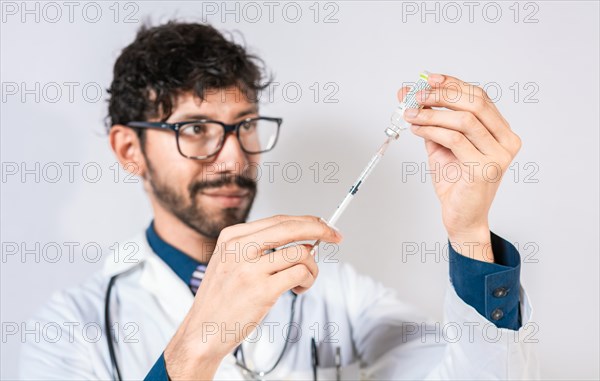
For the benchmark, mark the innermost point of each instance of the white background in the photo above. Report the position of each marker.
(547, 204)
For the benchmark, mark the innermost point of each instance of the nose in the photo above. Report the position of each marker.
(231, 158)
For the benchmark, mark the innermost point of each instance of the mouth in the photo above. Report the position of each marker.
(227, 197)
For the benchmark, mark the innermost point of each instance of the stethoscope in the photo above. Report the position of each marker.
(257, 375)
(240, 360)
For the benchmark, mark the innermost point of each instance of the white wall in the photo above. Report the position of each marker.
(367, 54)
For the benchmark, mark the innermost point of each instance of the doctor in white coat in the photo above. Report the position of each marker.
(201, 295)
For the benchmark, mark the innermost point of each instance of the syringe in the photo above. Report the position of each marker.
(393, 132)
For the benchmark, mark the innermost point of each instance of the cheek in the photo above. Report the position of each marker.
(167, 164)
(253, 167)
(161, 146)
(253, 159)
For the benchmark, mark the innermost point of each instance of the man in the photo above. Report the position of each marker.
(183, 112)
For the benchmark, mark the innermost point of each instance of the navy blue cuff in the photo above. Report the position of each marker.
(491, 288)
(158, 371)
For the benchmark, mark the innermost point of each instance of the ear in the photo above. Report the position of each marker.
(126, 145)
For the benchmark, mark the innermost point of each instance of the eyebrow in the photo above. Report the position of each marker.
(251, 110)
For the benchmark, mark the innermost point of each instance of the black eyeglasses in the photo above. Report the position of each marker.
(201, 139)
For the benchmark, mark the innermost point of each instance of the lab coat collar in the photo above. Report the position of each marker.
(126, 255)
(156, 276)
(180, 262)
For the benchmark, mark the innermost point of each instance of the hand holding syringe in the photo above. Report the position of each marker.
(393, 132)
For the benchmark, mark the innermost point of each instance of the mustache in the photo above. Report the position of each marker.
(239, 180)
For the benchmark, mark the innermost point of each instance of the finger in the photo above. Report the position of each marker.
(433, 148)
(461, 121)
(471, 90)
(288, 257)
(297, 277)
(402, 93)
(247, 228)
(312, 228)
(447, 81)
(458, 143)
(455, 100)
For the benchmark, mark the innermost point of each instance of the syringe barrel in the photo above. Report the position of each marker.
(397, 122)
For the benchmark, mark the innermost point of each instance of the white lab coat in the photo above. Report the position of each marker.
(380, 337)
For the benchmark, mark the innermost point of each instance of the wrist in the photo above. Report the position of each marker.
(186, 362)
(474, 243)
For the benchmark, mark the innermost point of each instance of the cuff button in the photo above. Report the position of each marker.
(497, 314)
(500, 292)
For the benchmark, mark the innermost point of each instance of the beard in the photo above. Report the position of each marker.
(195, 215)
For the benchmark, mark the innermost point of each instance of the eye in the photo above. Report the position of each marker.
(249, 126)
(198, 129)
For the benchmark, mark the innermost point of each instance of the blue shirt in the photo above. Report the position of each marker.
(491, 288)
(182, 264)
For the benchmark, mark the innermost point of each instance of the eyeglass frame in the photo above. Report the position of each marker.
(227, 128)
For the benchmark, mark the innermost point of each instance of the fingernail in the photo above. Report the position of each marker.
(411, 112)
(436, 78)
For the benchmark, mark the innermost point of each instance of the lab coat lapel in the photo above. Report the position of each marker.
(173, 295)
(171, 292)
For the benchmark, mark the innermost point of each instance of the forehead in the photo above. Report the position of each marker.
(217, 104)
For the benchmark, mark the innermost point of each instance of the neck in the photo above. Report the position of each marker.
(179, 235)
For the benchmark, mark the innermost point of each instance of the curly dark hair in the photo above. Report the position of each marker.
(166, 60)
